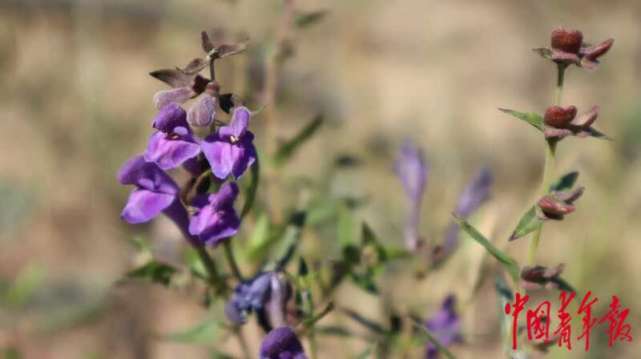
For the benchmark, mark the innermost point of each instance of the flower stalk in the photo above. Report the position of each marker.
(548, 169)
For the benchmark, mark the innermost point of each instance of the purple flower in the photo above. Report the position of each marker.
(202, 113)
(248, 296)
(155, 190)
(445, 326)
(472, 197)
(412, 169)
(282, 343)
(266, 295)
(215, 218)
(178, 95)
(231, 150)
(173, 143)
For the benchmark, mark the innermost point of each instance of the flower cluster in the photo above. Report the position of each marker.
(225, 151)
(567, 48)
(445, 325)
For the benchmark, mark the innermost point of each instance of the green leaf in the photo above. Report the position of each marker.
(365, 281)
(195, 264)
(368, 238)
(529, 223)
(532, 118)
(250, 192)
(289, 148)
(502, 288)
(291, 238)
(217, 354)
(544, 52)
(598, 134)
(29, 279)
(155, 272)
(260, 238)
(508, 262)
(565, 183)
(310, 18)
(345, 226)
(203, 333)
(11, 353)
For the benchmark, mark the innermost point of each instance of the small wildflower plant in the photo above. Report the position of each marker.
(201, 169)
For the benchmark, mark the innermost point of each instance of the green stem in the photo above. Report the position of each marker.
(548, 170)
(231, 259)
(560, 78)
(548, 175)
(214, 277)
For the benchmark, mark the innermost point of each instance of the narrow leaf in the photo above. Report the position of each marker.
(205, 42)
(310, 18)
(565, 183)
(508, 262)
(287, 150)
(532, 118)
(155, 272)
(291, 238)
(250, 192)
(173, 77)
(203, 333)
(260, 238)
(544, 52)
(529, 223)
(591, 132)
(195, 66)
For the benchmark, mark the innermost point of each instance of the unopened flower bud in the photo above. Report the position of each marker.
(598, 50)
(176, 95)
(276, 304)
(559, 117)
(591, 54)
(566, 40)
(558, 204)
(539, 277)
(553, 208)
(202, 113)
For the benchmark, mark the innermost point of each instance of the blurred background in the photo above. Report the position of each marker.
(75, 99)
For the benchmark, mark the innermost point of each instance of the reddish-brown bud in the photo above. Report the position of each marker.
(553, 208)
(566, 40)
(594, 52)
(559, 117)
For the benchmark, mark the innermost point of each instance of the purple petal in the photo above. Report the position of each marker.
(143, 205)
(170, 117)
(472, 197)
(146, 175)
(216, 219)
(225, 196)
(246, 155)
(221, 156)
(168, 152)
(444, 325)
(201, 114)
(475, 193)
(238, 125)
(175, 95)
(212, 226)
(281, 343)
(412, 169)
